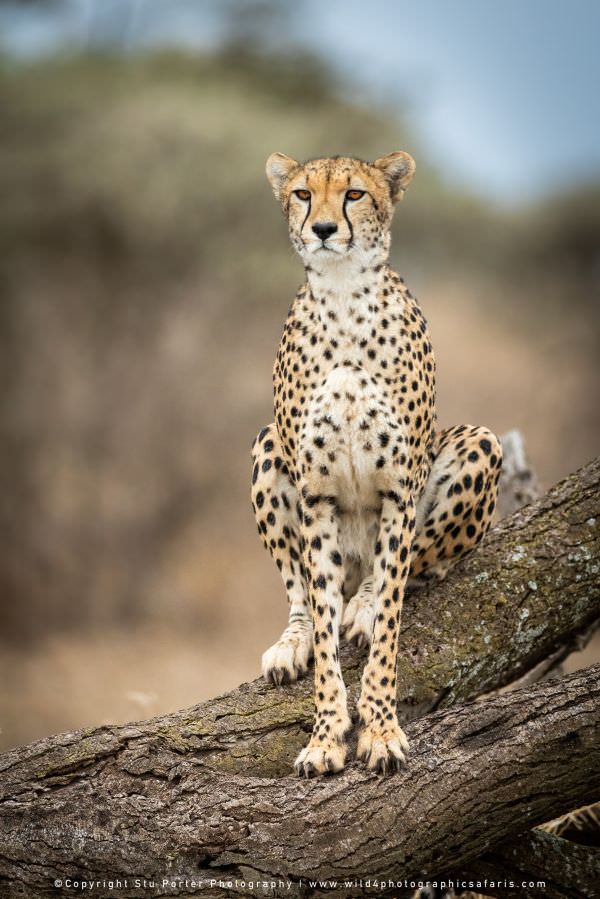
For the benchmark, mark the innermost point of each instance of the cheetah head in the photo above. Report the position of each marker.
(340, 208)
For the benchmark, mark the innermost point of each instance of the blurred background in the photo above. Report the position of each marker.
(145, 274)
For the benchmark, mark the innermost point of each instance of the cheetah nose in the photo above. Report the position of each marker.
(323, 230)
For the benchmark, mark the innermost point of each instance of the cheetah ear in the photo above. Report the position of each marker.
(279, 168)
(398, 169)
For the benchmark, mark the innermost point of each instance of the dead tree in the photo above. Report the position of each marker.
(207, 793)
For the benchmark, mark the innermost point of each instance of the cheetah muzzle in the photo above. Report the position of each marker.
(353, 488)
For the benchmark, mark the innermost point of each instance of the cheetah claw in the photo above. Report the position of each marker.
(323, 759)
(286, 661)
(383, 753)
(359, 641)
(280, 676)
(357, 623)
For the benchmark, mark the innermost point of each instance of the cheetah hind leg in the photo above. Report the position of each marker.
(359, 613)
(274, 501)
(287, 660)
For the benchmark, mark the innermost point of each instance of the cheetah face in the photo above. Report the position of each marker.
(341, 207)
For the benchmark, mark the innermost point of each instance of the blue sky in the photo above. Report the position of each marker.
(502, 93)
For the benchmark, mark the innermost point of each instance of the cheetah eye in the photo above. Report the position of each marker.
(354, 194)
(302, 194)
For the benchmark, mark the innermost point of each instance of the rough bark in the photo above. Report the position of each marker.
(125, 807)
(568, 870)
(208, 789)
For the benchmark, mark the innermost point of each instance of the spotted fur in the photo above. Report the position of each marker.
(353, 489)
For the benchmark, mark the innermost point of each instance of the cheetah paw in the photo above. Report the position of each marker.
(383, 750)
(287, 660)
(359, 614)
(325, 757)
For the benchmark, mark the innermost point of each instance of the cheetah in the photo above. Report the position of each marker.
(353, 489)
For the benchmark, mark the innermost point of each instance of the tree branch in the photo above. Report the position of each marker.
(519, 485)
(569, 871)
(476, 774)
(208, 789)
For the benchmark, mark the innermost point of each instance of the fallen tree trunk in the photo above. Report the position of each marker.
(207, 789)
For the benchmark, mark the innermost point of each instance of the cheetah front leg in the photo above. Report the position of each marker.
(275, 505)
(326, 750)
(382, 743)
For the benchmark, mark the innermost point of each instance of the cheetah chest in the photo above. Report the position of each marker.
(350, 438)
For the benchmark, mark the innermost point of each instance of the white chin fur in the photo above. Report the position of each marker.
(328, 251)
